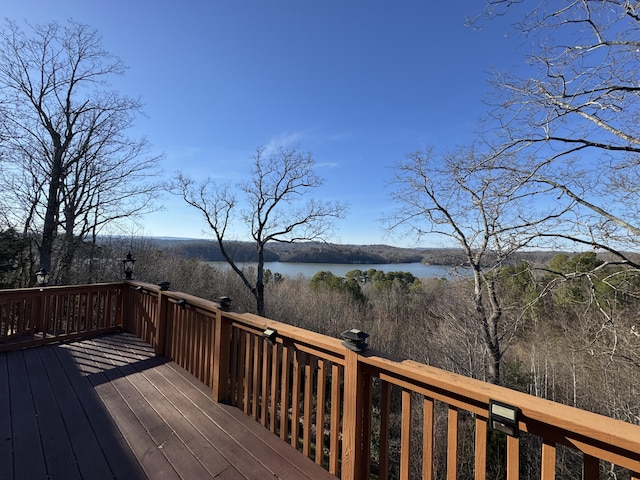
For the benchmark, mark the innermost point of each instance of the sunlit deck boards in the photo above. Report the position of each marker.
(108, 408)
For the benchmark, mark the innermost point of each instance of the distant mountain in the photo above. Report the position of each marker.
(303, 252)
(318, 252)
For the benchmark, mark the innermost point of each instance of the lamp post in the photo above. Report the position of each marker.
(42, 277)
(127, 266)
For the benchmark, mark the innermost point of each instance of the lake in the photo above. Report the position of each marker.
(308, 270)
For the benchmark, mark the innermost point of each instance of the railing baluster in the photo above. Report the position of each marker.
(161, 326)
(76, 314)
(49, 312)
(295, 397)
(201, 346)
(480, 462)
(179, 329)
(236, 355)
(266, 375)
(321, 398)
(284, 395)
(246, 379)
(257, 371)
(548, 461)
(427, 438)
(334, 439)
(275, 387)
(452, 443)
(308, 405)
(405, 436)
(92, 321)
(57, 315)
(383, 448)
(190, 337)
(367, 405)
(209, 354)
(513, 458)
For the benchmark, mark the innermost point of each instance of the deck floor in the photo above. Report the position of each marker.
(108, 408)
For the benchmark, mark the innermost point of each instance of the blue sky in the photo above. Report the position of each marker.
(359, 84)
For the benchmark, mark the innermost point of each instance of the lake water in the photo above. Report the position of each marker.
(308, 270)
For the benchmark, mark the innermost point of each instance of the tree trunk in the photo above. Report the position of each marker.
(69, 246)
(260, 307)
(489, 325)
(49, 228)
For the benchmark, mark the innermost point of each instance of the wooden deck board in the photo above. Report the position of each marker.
(108, 408)
(61, 460)
(121, 459)
(258, 442)
(6, 457)
(28, 462)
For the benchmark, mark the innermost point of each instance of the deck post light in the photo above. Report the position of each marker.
(224, 302)
(354, 340)
(42, 277)
(182, 303)
(127, 266)
(164, 286)
(504, 418)
(270, 335)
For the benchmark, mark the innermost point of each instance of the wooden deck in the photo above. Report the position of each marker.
(108, 408)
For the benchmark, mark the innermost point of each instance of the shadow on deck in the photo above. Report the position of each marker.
(108, 408)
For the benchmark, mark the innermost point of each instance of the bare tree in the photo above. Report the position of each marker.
(67, 159)
(571, 117)
(274, 211)
(570, 121)
(485, 212)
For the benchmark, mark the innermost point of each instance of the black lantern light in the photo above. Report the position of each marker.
(42, 277)
(127, 266)
(354, 339)
(224, 302)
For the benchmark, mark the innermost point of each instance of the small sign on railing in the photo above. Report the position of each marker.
(270, 335)
(504, 418)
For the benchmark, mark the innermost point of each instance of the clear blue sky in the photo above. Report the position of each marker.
(359, 84)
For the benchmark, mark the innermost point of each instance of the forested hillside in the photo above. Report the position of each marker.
(317, 252)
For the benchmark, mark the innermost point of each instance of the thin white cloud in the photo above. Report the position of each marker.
(327, 165)
(285, 139)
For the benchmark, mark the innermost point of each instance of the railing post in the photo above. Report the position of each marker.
(123, 307)
(355, 397)
(126, 307)
(37, 320)
(161, 323)
(221, 348)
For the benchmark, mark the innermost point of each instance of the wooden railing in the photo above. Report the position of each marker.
(365, 415)
(35, 316)
(360, 415)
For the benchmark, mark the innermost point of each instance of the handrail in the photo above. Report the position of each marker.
(357, 414)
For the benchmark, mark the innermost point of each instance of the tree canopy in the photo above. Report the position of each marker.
(67, 162)
(275, 210)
